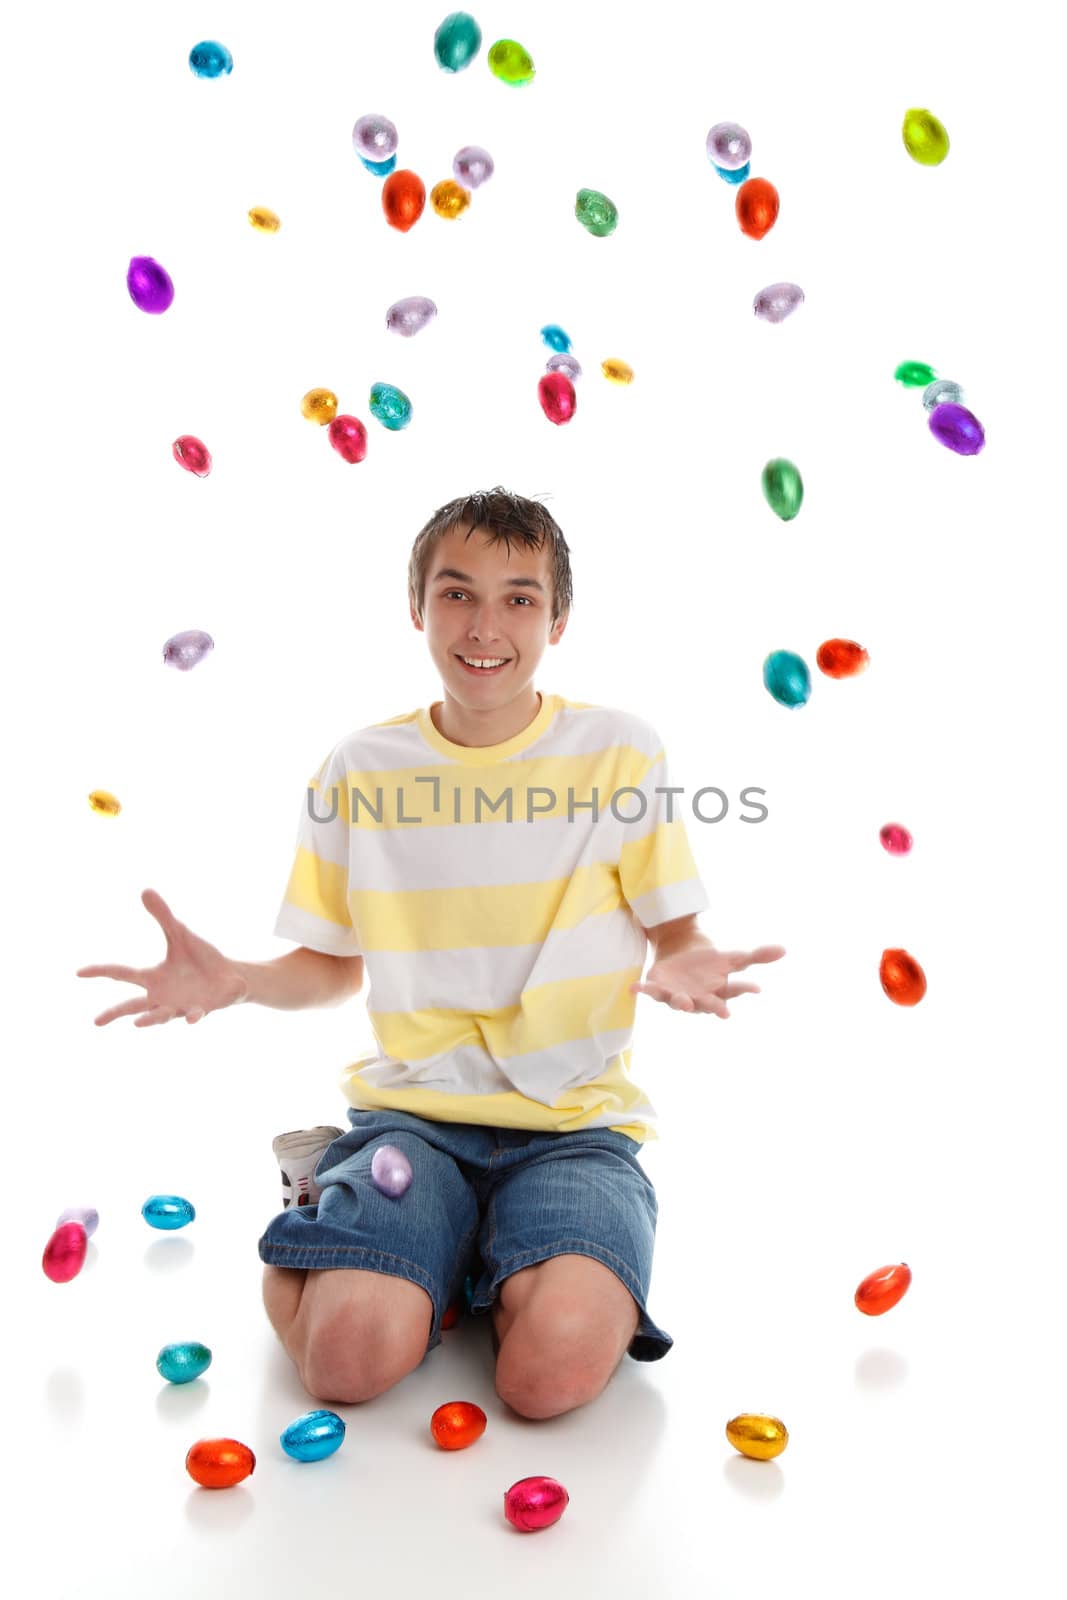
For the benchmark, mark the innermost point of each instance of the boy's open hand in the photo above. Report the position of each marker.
(194, 979)
(697, 979)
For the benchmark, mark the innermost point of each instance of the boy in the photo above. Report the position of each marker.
(498, 861)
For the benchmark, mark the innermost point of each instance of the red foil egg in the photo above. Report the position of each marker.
(903, 980)
(192, 454)
(756, 207)
(403, 197)
(219, 1463)
(841, 658)
(349, 438)
(457, 1424)
(64, 1254)
(451, 1316)
(895, 838)
(881, 1290)
(535, 1503)
(558, 399)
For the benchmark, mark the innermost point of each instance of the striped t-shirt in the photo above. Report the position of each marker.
(498, 895)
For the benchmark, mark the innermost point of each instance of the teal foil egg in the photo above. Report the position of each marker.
(181, 1363)
(787, 678)
(209, 59)
(168, 1211)
(457, 41)
(390, 406)
(314, 1435)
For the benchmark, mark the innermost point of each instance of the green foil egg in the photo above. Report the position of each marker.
(783, 488)
(925, 139)
(509, 62)
(915, 374)
(181, 1363)
(596, 213)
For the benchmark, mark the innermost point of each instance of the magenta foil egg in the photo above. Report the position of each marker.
(534, 1503)
(895, 838)
(64, 1254)
(390, 1171)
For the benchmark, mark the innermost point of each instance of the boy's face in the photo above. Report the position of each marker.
(484, 601)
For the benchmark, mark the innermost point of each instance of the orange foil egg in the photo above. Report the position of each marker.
(841, 658)
(903, 980)
(881, 1290)
(457, 1424)
(451, 1316)
(756, 207)
(403, 197)
(219, 1463)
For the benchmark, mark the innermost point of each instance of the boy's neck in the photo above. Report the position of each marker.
(460, 725)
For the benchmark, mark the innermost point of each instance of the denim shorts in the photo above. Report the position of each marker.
(483, 1201)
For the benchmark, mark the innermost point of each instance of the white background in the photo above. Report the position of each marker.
(821, 1132)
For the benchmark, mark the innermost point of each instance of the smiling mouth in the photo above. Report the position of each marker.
(484, 672)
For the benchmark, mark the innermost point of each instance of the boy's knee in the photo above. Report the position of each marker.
(350, 1359)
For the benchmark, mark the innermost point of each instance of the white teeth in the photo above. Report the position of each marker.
(488, 661)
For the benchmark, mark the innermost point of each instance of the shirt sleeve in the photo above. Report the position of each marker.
(657, 871)
(315, 909)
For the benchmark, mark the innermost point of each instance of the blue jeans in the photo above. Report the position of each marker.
(483, 1201)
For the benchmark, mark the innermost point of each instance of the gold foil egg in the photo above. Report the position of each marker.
(264, 221)
(319, 405)
(617, 371)
(757, 1436)
(105, 803)
(449, 199)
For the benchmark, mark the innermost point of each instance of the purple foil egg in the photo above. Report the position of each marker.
(408, 317)
(777, 301)
(149, 284)
(564, 362)
(375, 137)
(472, 166)
(184, 650)
(957, 429)
(390, 1171)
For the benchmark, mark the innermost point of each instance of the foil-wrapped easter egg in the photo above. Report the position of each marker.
(728, 146)
(457, 41)
(390, 406)
(902, 978)
(534, 1503)
(182, 1363)
(509, 62)
(349, 438)
(105, 803)
(895, 838)
(841, 658)
(924, 137)
(381, 169)
(555, 391)
(457, 1424)
(756, 207)
(409, 317)
(449, 199)
(617, 371)
(472, 166)
(320, 405)
(313, 1436)
(185, 650)
(564, 362)
(555, 337)
(219, 1463)
(167, 1211)
(390, 1171)
(957, 429)
(209, 59)
(759, 1437)
(403, 199)
(734, 177)
(450, 1316)
(88, 1216)
(64, 1254)
(915, 374)
(880, 1291)
(149, 284)
(192, 454)
(264, 220)
(597, 214)
(375, 137)
(783, 488)
(944, 392)
(777, 301)
(787, 678)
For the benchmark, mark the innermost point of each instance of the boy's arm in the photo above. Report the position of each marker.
(672, 938)
(302, 978)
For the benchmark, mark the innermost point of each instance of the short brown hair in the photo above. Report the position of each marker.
(502, 516)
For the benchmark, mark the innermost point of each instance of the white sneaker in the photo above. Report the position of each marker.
(298, 1155)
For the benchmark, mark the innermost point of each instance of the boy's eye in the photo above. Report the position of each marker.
(448, 593)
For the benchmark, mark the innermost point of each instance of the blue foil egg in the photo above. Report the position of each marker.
(738, 175)
(210, 60)
(181, 1363)
(555, 337)
(787, 678)
(313, 1436)
(167, 1211)
(381, 169)
(390, 406)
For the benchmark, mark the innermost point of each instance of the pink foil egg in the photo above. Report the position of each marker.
(64, 1254)
(556, 394)
(349, 438)
(895, 838)
(534, 1503)
(192, 454)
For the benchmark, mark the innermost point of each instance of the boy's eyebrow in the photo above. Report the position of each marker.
(465, 577)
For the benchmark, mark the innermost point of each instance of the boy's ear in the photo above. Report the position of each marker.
(415, 618)
(557, 628)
